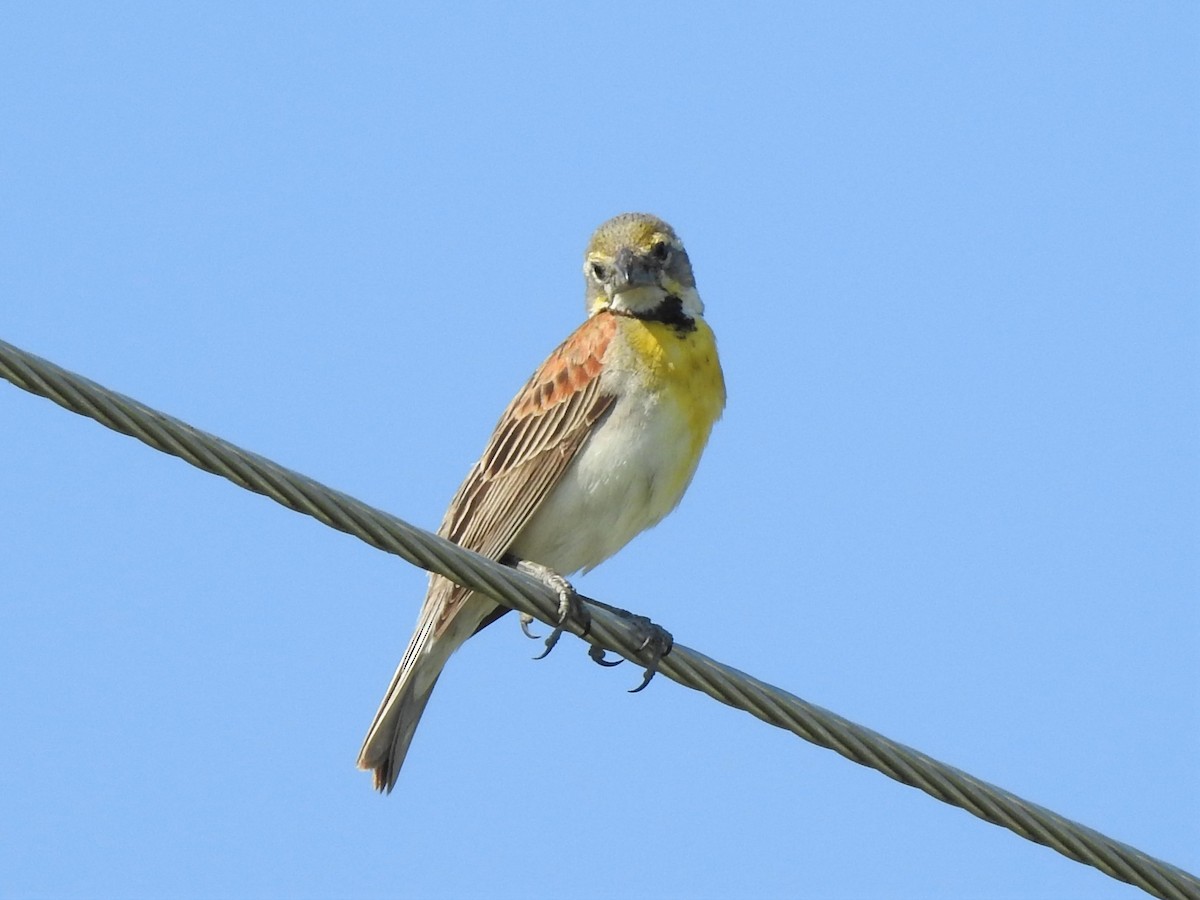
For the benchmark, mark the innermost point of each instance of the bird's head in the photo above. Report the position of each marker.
(634, 264)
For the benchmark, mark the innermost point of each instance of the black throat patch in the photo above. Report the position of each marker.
(669, 312)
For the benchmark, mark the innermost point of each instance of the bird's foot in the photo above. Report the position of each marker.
(570, 607)
(655, 644)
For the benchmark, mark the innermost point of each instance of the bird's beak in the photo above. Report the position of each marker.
(632, 271)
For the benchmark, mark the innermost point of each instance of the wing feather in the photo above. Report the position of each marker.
(535, 440)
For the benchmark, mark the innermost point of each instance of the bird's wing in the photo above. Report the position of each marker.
(534, 442)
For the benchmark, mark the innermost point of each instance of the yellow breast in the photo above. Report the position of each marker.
(638, 461)
(683, 367)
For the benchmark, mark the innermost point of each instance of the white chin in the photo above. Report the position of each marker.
(637, 300)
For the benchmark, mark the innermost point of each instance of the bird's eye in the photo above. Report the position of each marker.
(660, 251)
(599, 271)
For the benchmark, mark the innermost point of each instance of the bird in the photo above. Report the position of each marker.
(599, 445)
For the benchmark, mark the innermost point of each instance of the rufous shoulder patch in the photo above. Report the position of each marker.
(567, 370)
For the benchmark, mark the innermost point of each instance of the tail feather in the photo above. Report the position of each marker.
(387, 744)
(395, 723)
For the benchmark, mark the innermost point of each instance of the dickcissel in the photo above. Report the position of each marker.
(598, 446)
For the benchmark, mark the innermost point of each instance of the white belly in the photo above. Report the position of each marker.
(630, 473)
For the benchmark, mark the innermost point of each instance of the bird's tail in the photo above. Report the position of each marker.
(396, 721)
(449, 616)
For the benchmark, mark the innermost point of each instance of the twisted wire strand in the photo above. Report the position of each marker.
(683, 665)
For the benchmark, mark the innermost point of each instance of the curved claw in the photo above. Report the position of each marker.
(526, 621)
(598, 653)
(551, 640)
(569, 605)
(646, 676)
(659, 643)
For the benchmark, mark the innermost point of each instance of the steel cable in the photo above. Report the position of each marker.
(684, 665)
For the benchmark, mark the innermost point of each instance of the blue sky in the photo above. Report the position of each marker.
(950, 252)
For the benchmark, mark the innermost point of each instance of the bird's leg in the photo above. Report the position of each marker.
(656, 641)
(569, 605)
